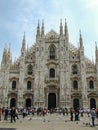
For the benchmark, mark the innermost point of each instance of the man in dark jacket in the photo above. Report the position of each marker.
(13, 114)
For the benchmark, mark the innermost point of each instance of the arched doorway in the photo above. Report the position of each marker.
(76, 103)
(51, 100)
(92, 103)
(12, 102)
(28, 102)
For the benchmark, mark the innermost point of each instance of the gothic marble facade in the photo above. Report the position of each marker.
(51, 73)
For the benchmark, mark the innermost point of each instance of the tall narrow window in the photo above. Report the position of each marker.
(14, 84)
(74, 69)
(52, 52)
(52, 73)
(75, 84)
(29, 84)
(30, 71)
(91, 84)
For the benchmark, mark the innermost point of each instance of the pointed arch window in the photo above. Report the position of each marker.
(75, 84)
(52, 73)
(75, 69)
(30, 70)
(91, 84)
(13, 84)
(29, 85)
(52, 52)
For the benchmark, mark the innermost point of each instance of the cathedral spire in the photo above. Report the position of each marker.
(61, 27)
(27, 50)
(66, 29)
(42, 29)
(80, 40)
(4, 57)
(96, 45)
(23, 44)
(96, 52)
(38, 29)
(9, 53)
(24, 41)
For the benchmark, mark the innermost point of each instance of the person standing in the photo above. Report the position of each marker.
(77, 114)
(6, 113)
(13, 114)
(71, 114)
(93, 115)
(0, 113)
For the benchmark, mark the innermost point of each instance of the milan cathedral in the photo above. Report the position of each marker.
(51, 73)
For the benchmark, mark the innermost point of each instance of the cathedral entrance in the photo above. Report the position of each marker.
(76, 103)
(28, 102)
(51, 100)
(92, 103)
(13, 102)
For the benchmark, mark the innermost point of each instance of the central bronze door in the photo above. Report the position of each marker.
(13, 103)
(51, 100)
(76, 103)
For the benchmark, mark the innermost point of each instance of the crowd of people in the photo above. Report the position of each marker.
(75, 114)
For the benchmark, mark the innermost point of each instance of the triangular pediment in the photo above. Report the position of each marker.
(52, 35)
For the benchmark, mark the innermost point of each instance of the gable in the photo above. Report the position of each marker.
(52, 35)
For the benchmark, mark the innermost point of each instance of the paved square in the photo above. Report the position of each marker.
(49, 122)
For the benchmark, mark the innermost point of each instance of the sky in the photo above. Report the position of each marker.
(19, 16)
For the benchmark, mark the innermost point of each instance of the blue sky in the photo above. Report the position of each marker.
(17, 16)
